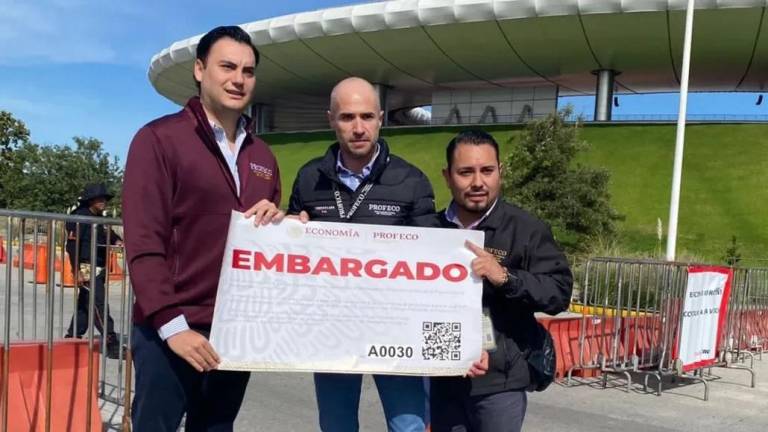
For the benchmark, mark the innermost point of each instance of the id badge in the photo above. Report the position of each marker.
(489, 340)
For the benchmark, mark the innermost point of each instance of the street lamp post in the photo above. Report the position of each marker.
(677, 174)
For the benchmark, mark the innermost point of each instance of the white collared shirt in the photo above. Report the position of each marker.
(352, 179)
(231, 157)
(452, 216)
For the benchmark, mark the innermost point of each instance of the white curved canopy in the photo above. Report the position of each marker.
(417, 46)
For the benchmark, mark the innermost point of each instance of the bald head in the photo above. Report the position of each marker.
(354, 88)
(355, 115)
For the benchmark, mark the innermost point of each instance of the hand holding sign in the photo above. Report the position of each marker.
(480, 367)
(264, 212)
(302, 217)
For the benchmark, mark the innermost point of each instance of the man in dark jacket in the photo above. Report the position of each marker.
(184, 175)
(523, 272)
(92, 202)
(359, 181)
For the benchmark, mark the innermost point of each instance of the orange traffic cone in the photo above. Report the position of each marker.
(25, 252)
(30, 255)
(67, 276)
(115, 271)
(41, 273)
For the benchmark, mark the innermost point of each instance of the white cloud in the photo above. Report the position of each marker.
(27, 102)
(58, 31)
(26, 107)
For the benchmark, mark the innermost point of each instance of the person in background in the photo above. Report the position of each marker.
(92, 202)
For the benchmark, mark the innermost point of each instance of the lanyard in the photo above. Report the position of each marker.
(360, 197)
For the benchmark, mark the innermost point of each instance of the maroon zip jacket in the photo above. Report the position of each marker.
(178, 195)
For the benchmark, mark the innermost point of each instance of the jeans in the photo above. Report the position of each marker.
(402, 397)
(167, 387)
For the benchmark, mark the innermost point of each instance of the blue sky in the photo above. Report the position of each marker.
(79, 67)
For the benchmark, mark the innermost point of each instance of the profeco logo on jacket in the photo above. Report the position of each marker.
(260, 171)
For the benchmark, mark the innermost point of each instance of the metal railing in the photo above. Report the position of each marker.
(524, 117)
(746, 331)
(632, 314)
(41, 285)
(718, 118)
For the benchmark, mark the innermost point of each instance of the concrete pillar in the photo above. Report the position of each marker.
(260, 114)
(383, 91)
(604, 94)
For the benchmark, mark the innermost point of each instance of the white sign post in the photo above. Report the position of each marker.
(347, 298)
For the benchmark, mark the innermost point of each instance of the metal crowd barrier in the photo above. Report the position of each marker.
(631, 315)
(746, 331)
(60, 379)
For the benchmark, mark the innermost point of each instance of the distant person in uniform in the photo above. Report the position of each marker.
(92, 202)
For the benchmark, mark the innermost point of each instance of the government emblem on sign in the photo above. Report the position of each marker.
(295, 232)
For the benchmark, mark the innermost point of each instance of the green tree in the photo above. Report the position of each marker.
(50, 178)
(542, 176)
(13, 133)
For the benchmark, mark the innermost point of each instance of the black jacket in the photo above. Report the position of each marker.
(400, 191)
(541, 282)
(84, 242)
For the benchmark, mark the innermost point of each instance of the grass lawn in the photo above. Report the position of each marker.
(725, 178)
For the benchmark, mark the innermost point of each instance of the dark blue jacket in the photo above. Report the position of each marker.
(400, 192)
(79, 238)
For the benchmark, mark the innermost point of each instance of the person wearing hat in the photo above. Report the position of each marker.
(92, 202)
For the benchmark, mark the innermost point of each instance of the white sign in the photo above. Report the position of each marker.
(348, 298)
(706, 298)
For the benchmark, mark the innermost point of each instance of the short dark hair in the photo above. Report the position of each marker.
(470, 136)
(233, 32)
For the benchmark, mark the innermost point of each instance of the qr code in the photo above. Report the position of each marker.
(442, 340)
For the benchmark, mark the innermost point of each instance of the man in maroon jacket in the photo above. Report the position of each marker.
(185, 173)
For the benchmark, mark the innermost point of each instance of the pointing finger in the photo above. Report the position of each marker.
(477, 250)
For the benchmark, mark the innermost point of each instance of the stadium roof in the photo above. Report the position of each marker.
(417, 46)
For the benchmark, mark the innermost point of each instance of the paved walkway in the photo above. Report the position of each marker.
(285, 402)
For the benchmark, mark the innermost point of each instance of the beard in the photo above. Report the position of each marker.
(477, 206)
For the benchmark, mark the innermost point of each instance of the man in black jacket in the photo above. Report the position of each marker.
(523, 272)
(92, 202)
(359, 181)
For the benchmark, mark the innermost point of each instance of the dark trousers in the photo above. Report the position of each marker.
(496, 412)
(167, 387)
(101, 312)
